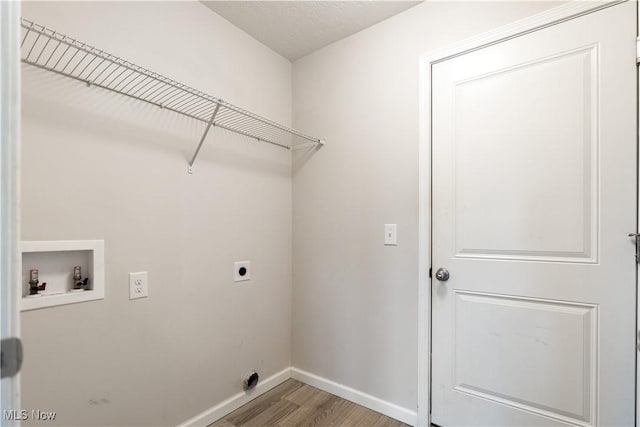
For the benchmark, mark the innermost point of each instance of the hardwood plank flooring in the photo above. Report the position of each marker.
(294, 404)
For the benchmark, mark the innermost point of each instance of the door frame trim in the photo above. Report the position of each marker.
(638, 213)
(9, 188)
(519, 28)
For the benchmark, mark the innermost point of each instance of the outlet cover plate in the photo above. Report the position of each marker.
(138, 285)
(241, 271)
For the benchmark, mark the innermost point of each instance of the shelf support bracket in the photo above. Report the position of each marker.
(204, 135)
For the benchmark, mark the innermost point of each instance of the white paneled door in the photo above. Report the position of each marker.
(533, 195)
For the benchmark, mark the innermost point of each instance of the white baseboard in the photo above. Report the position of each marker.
(213, 414)
(220, 410)
(389, 409)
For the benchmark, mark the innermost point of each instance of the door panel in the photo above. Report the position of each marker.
(557, 98)
(513, 336)
(533, 176)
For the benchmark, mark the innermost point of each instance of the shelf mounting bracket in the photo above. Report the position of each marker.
(204, 135)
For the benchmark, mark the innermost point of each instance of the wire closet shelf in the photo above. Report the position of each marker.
(45, 48)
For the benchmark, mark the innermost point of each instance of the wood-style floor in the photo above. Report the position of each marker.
(293, 403)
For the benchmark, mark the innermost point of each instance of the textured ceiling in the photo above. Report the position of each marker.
(297, 28)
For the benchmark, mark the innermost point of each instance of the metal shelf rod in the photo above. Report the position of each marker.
(112, 90)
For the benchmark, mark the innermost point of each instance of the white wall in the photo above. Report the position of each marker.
(355, 318)
(97, 166)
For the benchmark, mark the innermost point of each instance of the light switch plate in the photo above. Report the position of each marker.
(390, 234)
(138, 285)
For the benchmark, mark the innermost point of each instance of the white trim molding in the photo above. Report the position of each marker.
(9, 189)
(224, 408)
(368, 401)
(638, 221)
(519, 28)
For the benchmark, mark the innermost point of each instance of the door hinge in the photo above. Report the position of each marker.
(430, 273)
(638, 50)
(637, 237)
(10, 357)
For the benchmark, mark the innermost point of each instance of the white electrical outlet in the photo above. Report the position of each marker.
(138, 285)
(241, 271)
